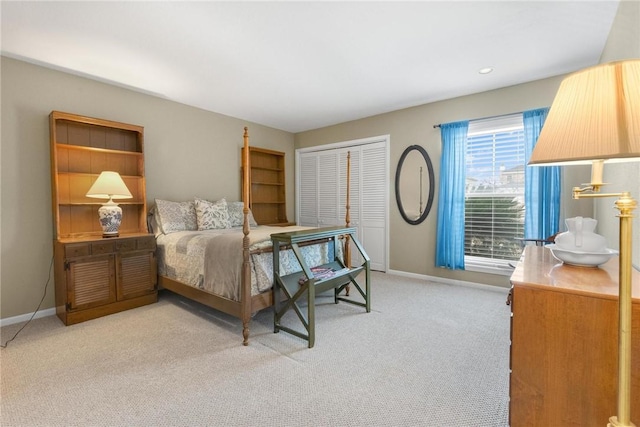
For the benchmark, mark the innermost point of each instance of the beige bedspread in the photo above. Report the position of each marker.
(211, 260)
(223, 260)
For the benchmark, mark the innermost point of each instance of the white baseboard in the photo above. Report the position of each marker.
(446, 281)
(24, 317)
(52, 311)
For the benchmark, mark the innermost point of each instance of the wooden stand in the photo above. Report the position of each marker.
(294, 290)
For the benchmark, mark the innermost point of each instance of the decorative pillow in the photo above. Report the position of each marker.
(212, 215)
(176, 216)
(153, 222)
(236, 216)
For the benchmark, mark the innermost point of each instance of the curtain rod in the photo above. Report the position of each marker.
(490, 117)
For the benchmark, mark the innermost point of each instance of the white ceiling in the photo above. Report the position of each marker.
(297, 66)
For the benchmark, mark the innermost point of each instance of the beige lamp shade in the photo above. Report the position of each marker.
(594, 116)
(109, 185)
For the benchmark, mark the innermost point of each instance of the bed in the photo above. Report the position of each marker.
(213, 252)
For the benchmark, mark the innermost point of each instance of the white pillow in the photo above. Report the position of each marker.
(212, 215)
(236, 216)
(176, 216)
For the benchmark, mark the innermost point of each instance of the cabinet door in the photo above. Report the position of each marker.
(91, 282)
(136, 274)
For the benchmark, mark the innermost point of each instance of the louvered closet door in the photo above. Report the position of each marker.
(328, 193)
(373, 203)
(91, 282)
(325, 179)
(318, 195)
(308, 190)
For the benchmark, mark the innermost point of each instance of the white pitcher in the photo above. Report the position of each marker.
(580, 236)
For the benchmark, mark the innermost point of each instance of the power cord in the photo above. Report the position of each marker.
(37, 308)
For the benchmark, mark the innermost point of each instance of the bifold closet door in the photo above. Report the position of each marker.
(308, 190)
(323, 194)
(318, 196)
(373, 199)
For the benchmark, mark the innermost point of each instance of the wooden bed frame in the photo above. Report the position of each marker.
(248, 304)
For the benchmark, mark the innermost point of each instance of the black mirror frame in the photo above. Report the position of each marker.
(431, 184)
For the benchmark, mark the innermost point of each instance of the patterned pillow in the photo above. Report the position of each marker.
(236, 216)
(176, 216)
(153, 222)
(212, 215)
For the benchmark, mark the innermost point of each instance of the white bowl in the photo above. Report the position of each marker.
(582, 259)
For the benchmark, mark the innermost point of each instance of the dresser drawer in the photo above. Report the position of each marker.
(146, 243)
(100, 248)
(127, 245)
(77, 249)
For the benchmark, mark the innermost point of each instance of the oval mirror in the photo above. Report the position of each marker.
(414, 184)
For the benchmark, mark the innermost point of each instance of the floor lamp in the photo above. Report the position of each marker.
(595, 118)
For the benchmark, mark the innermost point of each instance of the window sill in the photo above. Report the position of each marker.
(487, 266)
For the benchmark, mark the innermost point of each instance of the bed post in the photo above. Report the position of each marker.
(245, 290)
(347, 220)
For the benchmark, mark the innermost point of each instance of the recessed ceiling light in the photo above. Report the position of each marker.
(485, 70)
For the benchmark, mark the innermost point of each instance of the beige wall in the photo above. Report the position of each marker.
(188, 152)
(204, 151)
(623, 43)
(412, 247)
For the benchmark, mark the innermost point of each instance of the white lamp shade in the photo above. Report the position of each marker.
(594, 116)
(109, 185)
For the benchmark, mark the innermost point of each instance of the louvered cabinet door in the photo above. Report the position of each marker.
(91, 282)
(98, 277)
(136, 274)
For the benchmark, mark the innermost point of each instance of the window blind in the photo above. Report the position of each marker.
(494, 192)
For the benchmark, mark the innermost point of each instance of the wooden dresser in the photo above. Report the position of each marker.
(564, 343)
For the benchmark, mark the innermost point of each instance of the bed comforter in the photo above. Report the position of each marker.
(211, 260)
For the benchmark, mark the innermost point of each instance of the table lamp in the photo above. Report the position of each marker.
(109, 185)
(595, 118)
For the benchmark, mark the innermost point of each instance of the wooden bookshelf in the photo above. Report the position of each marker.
(267, 195)
(96, 276)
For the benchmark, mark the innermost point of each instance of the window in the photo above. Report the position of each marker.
(494, 193)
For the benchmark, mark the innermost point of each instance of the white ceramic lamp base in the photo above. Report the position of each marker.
(110, 216)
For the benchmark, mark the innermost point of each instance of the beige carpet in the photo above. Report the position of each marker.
(427, 355)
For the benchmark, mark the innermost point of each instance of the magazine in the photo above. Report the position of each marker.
(322, 273)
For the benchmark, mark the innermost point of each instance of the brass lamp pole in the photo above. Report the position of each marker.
(626, 205)
(595, 118)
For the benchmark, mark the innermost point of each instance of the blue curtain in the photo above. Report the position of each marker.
(450, 235)
(542, 184)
